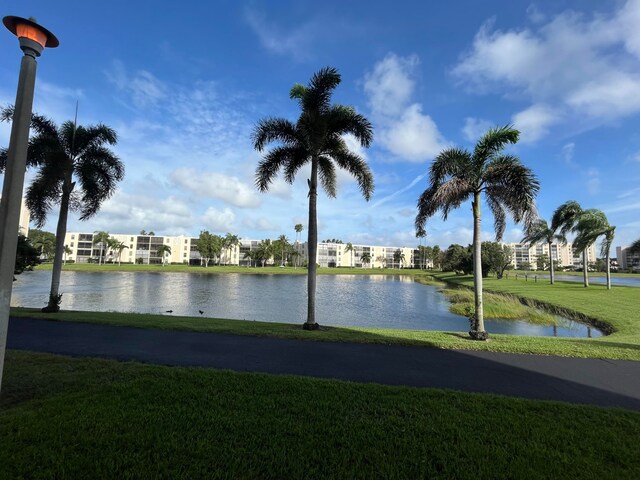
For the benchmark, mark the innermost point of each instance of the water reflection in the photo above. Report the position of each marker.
(384, 301)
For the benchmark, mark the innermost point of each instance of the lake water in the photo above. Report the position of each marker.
(384, 301)
(622, 281)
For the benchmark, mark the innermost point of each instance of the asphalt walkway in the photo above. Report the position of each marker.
(576, 380)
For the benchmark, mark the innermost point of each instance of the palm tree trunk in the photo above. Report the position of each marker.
(585, 274)
(608, 266)
(61, 231)
(477, 269)
(313, 246)
(551, 272)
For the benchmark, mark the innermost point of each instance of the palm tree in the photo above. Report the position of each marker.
(457, 175)
(298, 228)
(398, 258)
(264, 251)
(592, 224)
(66, 157)
(349, 248)
(162, 251)
(365, 258)
(119, 247)
(382, 259)
(66, 251)
(283, 242)
(540, 232)
(565, 219)
(635, 247)
(101, 239)
(316, 138)
(229, 242)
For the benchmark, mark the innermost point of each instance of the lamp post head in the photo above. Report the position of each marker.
(33, 37)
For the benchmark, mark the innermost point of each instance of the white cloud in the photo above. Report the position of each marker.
(291, 41)
(474, 128)
(218, 220)
(143, 87)
(571, 61)
(534, 122)
(261, 224)
(403, 129)
(217, 185)
(414, 136)
(390, 85)
(593, 180)
(567, 154)
(534, 14)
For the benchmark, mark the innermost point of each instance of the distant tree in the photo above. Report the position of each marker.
(75, 169)
(264, 252)
(437, 256)
(162, 251)
(316, 139)
(280, 249)
(365, 258)
(101, 239)
(44, 242)
(298, 228)
(349, 249)
(27, 256)
(542, 262)
(398, 258)
(457, 259)
(119, 247)
(229, 243)
(564, 221)
(66, 251)
(209, 246)
(382, 259)
(540, 232)
(591, 225)
(496, 258)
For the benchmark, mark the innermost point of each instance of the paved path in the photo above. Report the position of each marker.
(577, 380)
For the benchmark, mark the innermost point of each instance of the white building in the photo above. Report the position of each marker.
(25, 217)
(628, 260)
(525, 256)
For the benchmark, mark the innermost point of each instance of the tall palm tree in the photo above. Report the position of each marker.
(565, 219)
(298, 228)
(457, 175)
(592, 224)
(316, 139)
(230, 241)
(398, 258)
(365, 258)
(101, 239)
(162, 251)
(540, 232)
(349, 248)
(67, 157)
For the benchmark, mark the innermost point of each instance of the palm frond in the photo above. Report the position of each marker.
(344, 120)
(327, 175)
(565, 217)
(493, 142)
(273, 129)
(317, 96)
(452, 162)
(270, 164)
(635, 247)
(358, 168)
(44, 192)
(539, 232)
(499, 217)
(98, 171)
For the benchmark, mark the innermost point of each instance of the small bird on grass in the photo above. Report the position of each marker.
(201, 312)
(168, 311)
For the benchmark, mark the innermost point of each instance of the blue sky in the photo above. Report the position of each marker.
(183, 84)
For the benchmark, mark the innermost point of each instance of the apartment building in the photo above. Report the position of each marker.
(25, 217)
(144, 249)
(628, 260)
(525, 256)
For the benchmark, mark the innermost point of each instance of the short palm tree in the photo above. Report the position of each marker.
(365, 258)
(316, 139)
(101, 239)
(347, 249)
(457, 175)
(162, 251)
(591, 225)
(564, 220)
(230, 242)
(75, 169)
(635, 247)
(398, 258)
(119, 247)
(66, 251)
(540, 232)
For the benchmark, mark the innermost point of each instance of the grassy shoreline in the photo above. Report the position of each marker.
(615, 311)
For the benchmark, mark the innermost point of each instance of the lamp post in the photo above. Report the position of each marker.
(33, 39)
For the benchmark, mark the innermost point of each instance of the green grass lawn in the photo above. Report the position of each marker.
(80, 418)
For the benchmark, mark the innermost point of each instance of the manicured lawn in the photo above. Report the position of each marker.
(80, 418)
